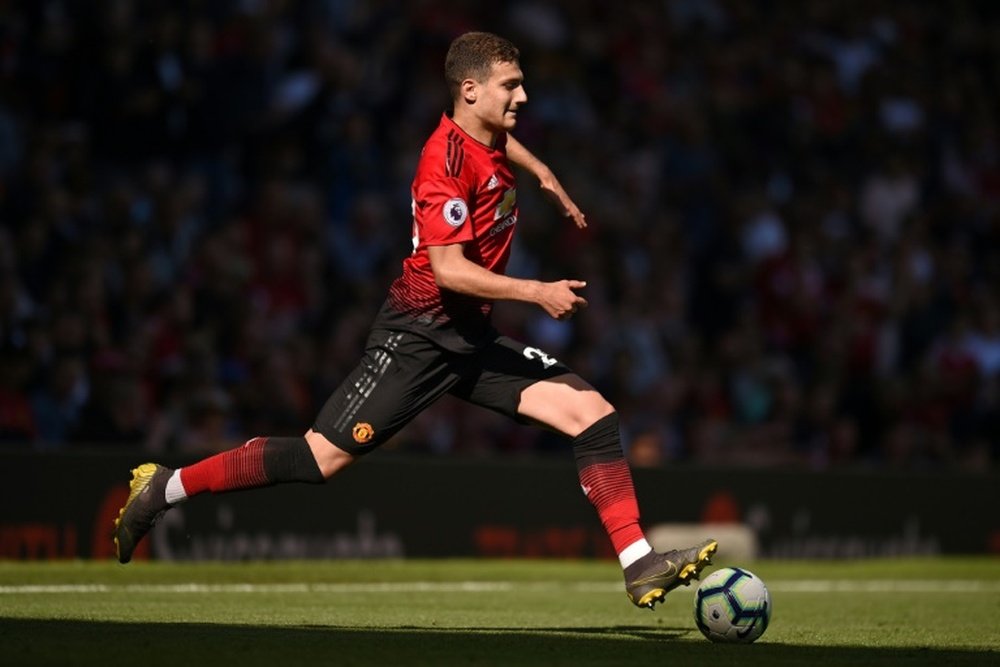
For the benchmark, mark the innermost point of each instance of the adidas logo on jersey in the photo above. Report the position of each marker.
(493, 182)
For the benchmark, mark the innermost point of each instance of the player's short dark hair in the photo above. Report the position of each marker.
(472, 55)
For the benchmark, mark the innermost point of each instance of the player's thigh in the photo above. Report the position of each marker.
(566, 403)
(399, 375)
(532, 386)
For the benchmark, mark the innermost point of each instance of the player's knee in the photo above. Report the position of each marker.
(599, 443)
(598, 411)
(585, 410)
(329, 457)
(591, 409)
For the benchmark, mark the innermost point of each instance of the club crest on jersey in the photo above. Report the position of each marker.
(362, 432)
(506, 205)
(455, 212)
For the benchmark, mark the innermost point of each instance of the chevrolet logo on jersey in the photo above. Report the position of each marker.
(506, 205)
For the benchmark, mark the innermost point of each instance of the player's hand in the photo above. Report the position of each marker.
(554, 190)
(559, 300)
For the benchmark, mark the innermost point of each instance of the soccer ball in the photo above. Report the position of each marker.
(732, 605)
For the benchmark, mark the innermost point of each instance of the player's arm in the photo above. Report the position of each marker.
(454, 272)
(522, 157)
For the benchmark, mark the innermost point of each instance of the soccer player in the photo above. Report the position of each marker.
(433, 336)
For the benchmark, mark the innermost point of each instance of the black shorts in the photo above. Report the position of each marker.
(402, 373)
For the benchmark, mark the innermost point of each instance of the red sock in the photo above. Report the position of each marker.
(609, 487)
(240, 468)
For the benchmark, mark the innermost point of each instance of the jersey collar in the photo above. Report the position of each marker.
(501, 142)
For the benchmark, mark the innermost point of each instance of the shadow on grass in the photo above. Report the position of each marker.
(29, 643)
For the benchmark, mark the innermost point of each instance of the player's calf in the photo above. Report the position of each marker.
(259, 462)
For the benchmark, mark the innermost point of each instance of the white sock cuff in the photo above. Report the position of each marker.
(175, 489)
(634, 552)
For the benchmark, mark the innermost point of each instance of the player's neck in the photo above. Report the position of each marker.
(475, 128)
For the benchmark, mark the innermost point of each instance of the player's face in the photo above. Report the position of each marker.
(501, 95)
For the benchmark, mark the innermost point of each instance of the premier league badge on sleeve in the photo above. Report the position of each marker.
(455, 212)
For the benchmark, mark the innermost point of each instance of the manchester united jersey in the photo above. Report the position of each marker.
(463, 192)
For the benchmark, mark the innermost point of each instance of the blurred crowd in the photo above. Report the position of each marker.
(793, 256)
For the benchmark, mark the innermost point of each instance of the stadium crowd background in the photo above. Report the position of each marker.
(793, 255)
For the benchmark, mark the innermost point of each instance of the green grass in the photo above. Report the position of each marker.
(882, 612)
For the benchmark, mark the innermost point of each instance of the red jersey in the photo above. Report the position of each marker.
(463, 192)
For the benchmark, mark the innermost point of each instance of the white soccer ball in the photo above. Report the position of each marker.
(732, 605)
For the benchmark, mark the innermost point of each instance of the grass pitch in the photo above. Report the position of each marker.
(880, 612)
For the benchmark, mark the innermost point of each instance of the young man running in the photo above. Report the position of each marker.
(433, 335)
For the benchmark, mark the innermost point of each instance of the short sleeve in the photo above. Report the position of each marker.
(441, 211)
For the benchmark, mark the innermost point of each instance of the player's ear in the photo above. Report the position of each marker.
(469, 90)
